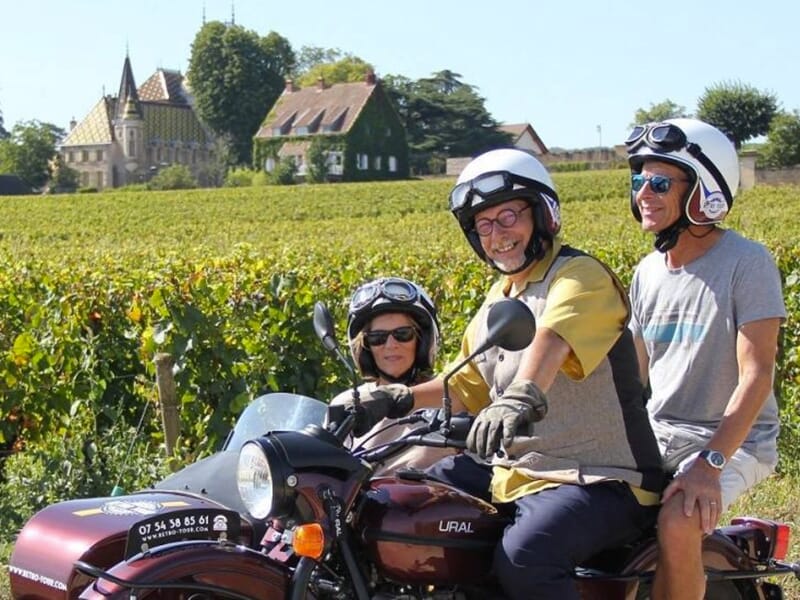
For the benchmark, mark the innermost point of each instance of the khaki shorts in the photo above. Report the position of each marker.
(741, 473)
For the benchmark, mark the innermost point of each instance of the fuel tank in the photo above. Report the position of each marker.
(104, 531)
(425, 532)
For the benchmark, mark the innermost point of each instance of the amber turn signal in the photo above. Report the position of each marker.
(309, 540)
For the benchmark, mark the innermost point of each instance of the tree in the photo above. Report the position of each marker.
(346, 70)
(235, 77)
(173, 177)
(662, 111)
(738, 110)
(443, 117)
(782, 148)
(317, 160)
(3, 133)
(63, 179)
(29, 150)
(311, 56)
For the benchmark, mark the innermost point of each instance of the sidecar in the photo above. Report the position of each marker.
(105, 531)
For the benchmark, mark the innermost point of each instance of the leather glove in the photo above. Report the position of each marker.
(522, 403)
(394, 401)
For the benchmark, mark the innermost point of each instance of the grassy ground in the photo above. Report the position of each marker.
(776, 498)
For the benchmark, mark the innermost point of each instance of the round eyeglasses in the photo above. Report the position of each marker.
(505, 218)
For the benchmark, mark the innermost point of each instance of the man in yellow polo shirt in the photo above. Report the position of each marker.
(580, 464)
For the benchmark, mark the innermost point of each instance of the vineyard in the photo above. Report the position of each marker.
(93, 286)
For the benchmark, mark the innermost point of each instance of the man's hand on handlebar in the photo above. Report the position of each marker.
(521, 404)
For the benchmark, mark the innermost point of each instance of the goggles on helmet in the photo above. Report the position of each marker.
(485, 185)
(391, 288)
(668, 137)
(659, 136)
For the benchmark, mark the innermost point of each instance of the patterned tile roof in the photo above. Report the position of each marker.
(170, 122)
(95, 128)
(164, 108)
(319, 108)
(164, 86)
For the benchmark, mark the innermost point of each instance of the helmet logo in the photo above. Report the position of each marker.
(713, 206)
(554, 212)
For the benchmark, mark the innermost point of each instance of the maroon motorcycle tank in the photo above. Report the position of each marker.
(424, 532)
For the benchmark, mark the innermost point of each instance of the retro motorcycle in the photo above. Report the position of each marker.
(288, 511)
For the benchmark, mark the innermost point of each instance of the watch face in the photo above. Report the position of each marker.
(714, 458)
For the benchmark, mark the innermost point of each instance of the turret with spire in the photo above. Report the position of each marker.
(129, 119)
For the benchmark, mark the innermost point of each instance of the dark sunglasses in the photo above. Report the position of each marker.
(378, 337)
(505, 218)
(660, 184)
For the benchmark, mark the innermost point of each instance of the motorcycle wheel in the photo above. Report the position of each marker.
(715, 590)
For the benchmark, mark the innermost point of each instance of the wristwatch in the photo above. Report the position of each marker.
(713, 458)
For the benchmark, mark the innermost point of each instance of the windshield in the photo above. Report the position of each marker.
(275, 412)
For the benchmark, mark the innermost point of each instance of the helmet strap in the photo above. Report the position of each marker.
(534, 251)
(406, 378)
(667, 238)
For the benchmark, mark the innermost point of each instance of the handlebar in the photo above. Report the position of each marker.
(432, 434)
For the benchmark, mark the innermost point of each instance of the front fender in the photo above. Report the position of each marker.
(235, 568)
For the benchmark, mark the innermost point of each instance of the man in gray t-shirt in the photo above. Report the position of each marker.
(706, 310)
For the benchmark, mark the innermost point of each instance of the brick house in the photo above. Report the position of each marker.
(127, 138)
(357, 126)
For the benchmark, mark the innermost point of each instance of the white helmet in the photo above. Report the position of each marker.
(703, 151)
(501, 175)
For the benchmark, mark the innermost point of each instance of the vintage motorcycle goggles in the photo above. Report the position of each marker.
(378, 337)
(393, 289)
(660, 184)
(485, 185)
(668, 137)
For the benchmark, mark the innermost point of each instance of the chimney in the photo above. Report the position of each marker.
(72, 123)
(320, 83)
(290, 86)
(369, 78)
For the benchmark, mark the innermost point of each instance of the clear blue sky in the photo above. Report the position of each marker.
(565, 66)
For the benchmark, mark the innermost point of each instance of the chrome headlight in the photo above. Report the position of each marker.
(255, 480)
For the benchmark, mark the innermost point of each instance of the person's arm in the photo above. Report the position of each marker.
(756, 347)
(543, 358)
(642, 358)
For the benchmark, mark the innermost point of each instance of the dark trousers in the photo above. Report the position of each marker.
(553, 530)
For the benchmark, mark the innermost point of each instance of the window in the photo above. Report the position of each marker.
(131, 147)
(269, 165)
(84, 156)
(362, 162)
(70, 157)
(99, 155)
(85, 179)
(393, 164)
(302, 130)
(377, 163)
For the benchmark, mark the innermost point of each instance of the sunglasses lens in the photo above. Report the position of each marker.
(637, 182)
(660, 184)
(375, 338)
(403, 334)
(379, 337)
